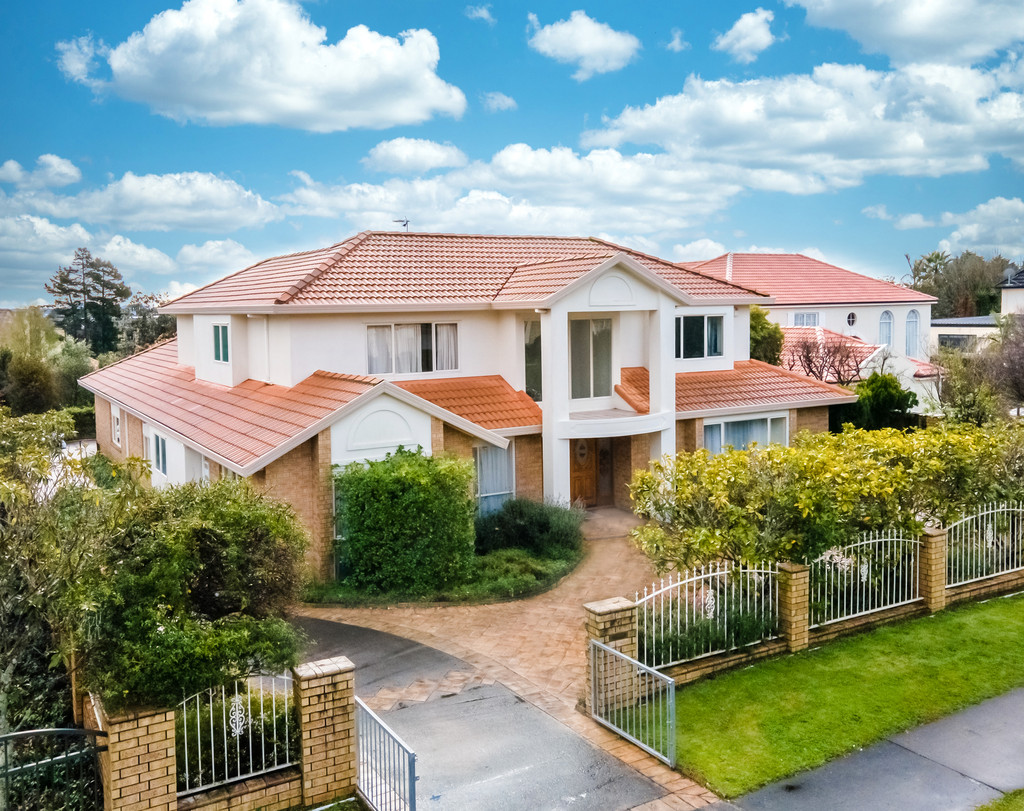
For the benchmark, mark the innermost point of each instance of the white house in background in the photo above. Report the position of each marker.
(559, 364)
(809, 293)
(971, 332)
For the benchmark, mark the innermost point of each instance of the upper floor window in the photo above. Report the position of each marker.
(403, 348)
(805, 319)
(220, 342)
(700, 336)
(534, 368)
(885, 329)
(590, 357)
(913, 335)
(115, 426)
(160, 454)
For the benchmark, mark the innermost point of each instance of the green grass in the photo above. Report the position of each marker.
(750, 727)
(505, 574)
(1014, 801)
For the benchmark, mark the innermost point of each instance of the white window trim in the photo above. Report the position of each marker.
(159, 454)
(727, 337)
(433, 326)
(802, 314)
(590, 318)
(115, 426)
(217, 344)
(769, 416)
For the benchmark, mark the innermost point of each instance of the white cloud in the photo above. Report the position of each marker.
(877, 212)
(994, 227)
(413, 155)
(828, 130)
(481, 13)
(961, 31)
(495, 102)
(31, 250)
(592, 46)
(907, 222)
(677, 43)
(749, 35)
(176, 289)
(193, 200)
(697, 251)
(51, 170)
(215, 257)
(131, 258)
(264, 62)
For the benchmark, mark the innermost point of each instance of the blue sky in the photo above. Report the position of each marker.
(185, 141)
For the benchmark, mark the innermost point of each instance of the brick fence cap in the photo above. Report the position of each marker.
(324, 667)
(611, 604)
(792, 566)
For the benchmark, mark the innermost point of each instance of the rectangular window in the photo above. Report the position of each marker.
(115, 426)
(805, 319)
(220, 342)
(590, 356)
(405, 348)
(160, 454)
(700, 336)
(534, 368)
(205, 475)
(495, 476)
(741, 434)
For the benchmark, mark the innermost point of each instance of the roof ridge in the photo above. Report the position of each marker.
(563, 258)
(342, 249)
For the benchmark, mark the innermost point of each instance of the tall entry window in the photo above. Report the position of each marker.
(590, 356)
(534, 370)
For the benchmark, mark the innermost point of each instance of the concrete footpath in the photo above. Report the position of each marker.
(958, 763)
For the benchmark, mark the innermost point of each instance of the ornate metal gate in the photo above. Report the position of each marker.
(51, 770)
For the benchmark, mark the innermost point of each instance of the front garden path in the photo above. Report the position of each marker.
(535, 647)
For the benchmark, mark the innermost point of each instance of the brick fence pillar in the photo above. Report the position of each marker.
(613, 622)
(325, 694)
(794, 604)
(138, 768)
(932, 568)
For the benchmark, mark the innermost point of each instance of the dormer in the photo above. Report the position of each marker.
(220, 348)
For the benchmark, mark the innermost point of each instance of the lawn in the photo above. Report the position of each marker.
(1014, 801)
(750, 727)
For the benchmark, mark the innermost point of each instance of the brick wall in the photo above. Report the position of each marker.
(529, 453)
(302, 479)
(278, 791)
(325, 693)
(457, 443)
(814, 420)
(689, 435)
(104, 440)
(622, 472)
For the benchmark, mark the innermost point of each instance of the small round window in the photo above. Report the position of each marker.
(851, 319)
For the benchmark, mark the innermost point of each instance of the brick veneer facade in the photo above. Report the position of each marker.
(814, 420)
(139, 771)
(529, 467)
(612, 622)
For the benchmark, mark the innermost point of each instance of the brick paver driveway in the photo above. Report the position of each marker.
(535, 647)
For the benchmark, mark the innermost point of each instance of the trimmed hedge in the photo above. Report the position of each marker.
(85, 420)
(406, 522)
(549, 530)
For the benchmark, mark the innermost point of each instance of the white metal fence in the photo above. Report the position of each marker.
(386, 776)
(634, 700)
(880, 571)
(236, 731)
(712, 609)
(985, 544)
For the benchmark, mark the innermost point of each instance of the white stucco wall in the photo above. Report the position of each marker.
(868, 320)
(378, 428)
(1012, 300)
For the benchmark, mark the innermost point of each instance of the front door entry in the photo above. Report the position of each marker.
(583, 472)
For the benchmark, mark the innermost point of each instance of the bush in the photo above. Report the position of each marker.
(406, 522)
(85, 420)
(549, 530)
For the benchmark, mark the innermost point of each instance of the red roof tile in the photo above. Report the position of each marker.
(825, 356)
(388, 268)
(791, 278)
(489, 401)
(240, 424)
(749, 384)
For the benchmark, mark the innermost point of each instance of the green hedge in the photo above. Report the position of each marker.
(85, 420)
(549, 530)
(406, 522)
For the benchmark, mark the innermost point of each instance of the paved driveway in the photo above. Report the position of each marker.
(534, 648)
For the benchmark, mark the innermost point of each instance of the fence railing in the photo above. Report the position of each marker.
(634, 700)
(235, 731)
(986, 544)
(51, 768)
(712, 609)
(386, 774)
(878, 572)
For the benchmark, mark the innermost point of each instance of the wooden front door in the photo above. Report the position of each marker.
(583, 472)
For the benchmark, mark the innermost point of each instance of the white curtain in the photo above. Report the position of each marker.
(446, 347)
(743, 433)
(913, 322)
(885, 329)
(408, 357)
(713, 438)
(715, 328)
(494, 477)
(378, 350)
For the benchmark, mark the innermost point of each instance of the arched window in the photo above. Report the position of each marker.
(885, 329)
(913, 333)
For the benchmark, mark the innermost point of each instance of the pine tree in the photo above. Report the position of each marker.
(70, 290)
(87, 297)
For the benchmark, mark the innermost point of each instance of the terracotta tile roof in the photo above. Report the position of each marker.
(541, 279)
(825, 342)
(389, 268)
(791, 278)
(489, 401)
(749, 384)
(923, 369)
(240, 424)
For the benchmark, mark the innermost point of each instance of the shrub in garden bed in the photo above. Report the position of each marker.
(549, 530)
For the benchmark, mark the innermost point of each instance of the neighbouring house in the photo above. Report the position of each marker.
(892, 319)
(970, 333)
(558, 364)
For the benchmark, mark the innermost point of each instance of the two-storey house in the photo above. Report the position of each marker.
(558, 364)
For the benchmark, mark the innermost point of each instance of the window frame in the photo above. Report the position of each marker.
(423, 352)
(680, 336)
(533, 367)
(801, 317)
(115, 426)
(913, 339)
(221, 344)
(510, 462)
(768, 418)
(886, 323)
(159, 454)
(592, 349)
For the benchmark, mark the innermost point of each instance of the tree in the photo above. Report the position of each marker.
(31, 387)
(140, 325)
(87, 297)
(829, 358)
(884, 403)
(765, 337)
(69, 362)
(1005, 356)
(29, 333)
(964, 286)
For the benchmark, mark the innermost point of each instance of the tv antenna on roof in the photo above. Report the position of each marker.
(403, 222)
